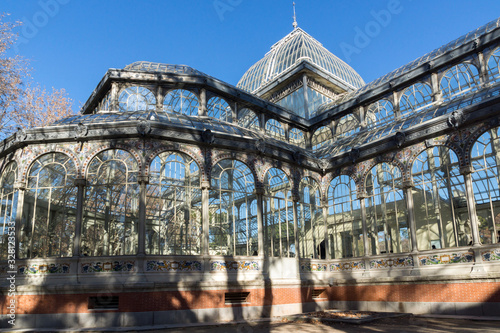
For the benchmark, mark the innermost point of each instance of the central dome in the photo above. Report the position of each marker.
(294, 47)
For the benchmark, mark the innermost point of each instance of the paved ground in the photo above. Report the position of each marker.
(400, 325)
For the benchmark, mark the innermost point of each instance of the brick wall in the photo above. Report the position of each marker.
(205, 299)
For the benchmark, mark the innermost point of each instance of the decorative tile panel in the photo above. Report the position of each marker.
(173, 266)
(242, 265)
(309, 267)
(446, 258)
(347, 266)
(391, 262)
(43, 269)
(491, 255)
(108, 266)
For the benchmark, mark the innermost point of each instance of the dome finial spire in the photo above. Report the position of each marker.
(294, 17)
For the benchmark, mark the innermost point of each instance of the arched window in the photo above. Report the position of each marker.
(415, 98)
(485, 157)
(493, 66)
(311, 228)
(275, 129)
(321, 137)
(218, 108)
(181, 101)
(439, 200)
(348, 125)
(231, 232)
(387, 229)
(345, 228)
(380, 112)
(458, 80)
(297, 137)
(248, 119)
(8, 206)
(49, 208)
(111, 207)
(279, 238)
(136, 98)
(173, 206)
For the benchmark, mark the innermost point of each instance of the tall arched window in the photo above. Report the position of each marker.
(321, 137)
(231, 231)
(311, 228)
(137, 98)
(347, 126)
(415, 98)
(181, 101)
(379, 113)
(485, 157)
(8, 206)
(345, 227)
(49, 208)
(275, 129)
(218, 108)
(439, 200)
(297, 137)
(493, 66)
(111, 208)
(248, 119)
(278, 218)
(387, 229)
(459, 80)
(173, 206)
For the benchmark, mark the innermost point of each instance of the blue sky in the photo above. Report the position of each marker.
(72, 43)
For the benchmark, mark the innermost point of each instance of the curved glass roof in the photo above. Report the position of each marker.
(297, 46)
(172, 119)
(147, 66)
(472, 35)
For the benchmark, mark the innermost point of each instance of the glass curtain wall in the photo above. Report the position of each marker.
(310, 221)
(279, 237)
(387, 228)
(439, 199)
(111, 207)
(233, 228)
(485, 157)
(8, 206)
(345, 227)
(49, 208)
(173, 206)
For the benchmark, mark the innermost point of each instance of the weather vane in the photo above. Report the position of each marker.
(294, 17)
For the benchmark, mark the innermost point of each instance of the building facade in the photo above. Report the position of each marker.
(175, 197)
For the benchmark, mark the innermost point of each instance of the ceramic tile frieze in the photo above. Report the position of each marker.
(31, 269)
(491, 255)
(173, 266)
(446, 258)
(347, 266)
(242, 265)
(107, 266)
(310, 267)
(391, 262)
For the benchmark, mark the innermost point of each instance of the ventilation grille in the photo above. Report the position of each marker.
(236, 298)
(316, 293)
(103, 303)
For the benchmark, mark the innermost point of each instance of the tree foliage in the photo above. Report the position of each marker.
(24, 103)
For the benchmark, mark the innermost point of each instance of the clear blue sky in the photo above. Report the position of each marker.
(72, 43)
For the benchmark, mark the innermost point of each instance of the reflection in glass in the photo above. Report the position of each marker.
(49, 208)
(173, 206)
(439, 200)
(278, 215)
(111, 207)
(233, 210)
(485, 157)
(8, 206)
(387, 229)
